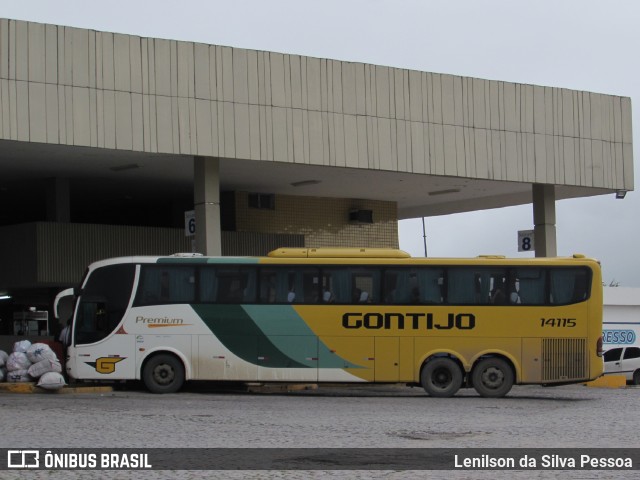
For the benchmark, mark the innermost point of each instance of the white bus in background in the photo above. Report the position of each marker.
(621, 332)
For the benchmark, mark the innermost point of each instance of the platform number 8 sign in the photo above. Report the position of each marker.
(526, 241)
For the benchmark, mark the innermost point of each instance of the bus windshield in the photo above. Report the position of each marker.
(103, 302)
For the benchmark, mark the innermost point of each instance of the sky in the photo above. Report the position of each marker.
(578, 44)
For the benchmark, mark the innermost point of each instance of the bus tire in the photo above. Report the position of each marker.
(492, 377)
(441, 377)
(163, 373)
(636, 377)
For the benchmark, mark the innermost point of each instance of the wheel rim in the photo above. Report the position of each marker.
(163, 374)
(441, 378)
(492, 377)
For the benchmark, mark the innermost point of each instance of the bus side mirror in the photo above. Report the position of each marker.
(63, 304)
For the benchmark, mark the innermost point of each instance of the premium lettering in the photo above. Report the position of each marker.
(159, 320)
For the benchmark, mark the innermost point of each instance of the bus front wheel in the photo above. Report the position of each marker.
(163, 373)
(441, 377)
(492, 377)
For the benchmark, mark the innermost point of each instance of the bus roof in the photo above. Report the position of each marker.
(387, 256)
(338, 253)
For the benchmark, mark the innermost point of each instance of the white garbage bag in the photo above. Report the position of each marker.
(40, 351)
(18, 361)
(43, 366)
(18, 376)
(51, 381)
(21, 346)
(3, 357)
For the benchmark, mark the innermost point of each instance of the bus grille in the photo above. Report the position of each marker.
(564, 359)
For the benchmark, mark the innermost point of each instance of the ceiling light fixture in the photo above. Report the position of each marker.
(444, 192)
(304, 183)
(122, 168)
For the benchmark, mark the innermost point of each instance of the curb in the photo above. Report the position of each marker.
(279, 387)
(608, 381)
(30, 387)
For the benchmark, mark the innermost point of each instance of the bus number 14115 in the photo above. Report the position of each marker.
(557, 322)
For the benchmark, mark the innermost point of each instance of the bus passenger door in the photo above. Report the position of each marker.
(387, 359)
(100, 351)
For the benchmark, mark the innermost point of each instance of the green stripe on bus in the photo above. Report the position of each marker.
(281, 322)
(238, 332)
(269, 336)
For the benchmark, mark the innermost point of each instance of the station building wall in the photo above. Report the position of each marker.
(324, 222)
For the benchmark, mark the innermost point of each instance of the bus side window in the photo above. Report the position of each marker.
(430, 282)
(236, 285)
(208, 285)
(231, 289)
(531, 285)
(413, 286)
(276, 286)
(302, 285)
(336, 286)
(396, 286)
(267, 286)
(462, 286)
(166, 284)
(365, 285)
(581, 286)
(308, 279)
(568, 285)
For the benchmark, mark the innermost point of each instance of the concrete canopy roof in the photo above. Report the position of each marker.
(122, 117)
(112, 175)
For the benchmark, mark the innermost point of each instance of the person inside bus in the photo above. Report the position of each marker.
(327, 296)
(356, 295)
(235, 292)
(65, 334)
(291, 296)
(514, 296)
(498, 296)
(364, 297)
(415, 295)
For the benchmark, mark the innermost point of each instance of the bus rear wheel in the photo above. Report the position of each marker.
(441, 377)
(492, 377)
(163, 373)
(636, 377)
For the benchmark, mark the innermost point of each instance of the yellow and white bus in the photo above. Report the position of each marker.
(339, 315)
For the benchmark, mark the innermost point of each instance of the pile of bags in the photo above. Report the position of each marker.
(28, 362)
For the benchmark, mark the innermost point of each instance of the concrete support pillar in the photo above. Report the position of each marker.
(544, 220)
(58, 200)
(206, 189)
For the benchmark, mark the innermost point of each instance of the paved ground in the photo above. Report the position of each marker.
(373, 416)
